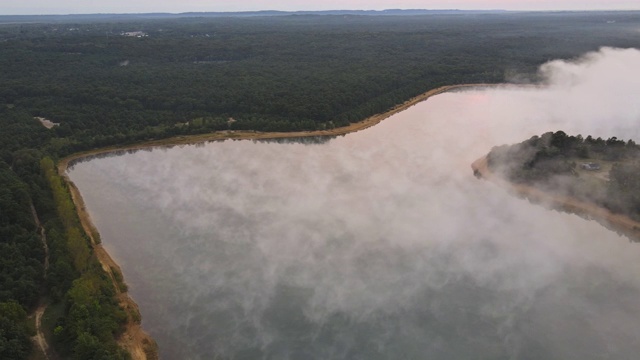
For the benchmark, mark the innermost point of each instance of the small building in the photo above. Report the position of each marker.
(590, 166)
(137, 34)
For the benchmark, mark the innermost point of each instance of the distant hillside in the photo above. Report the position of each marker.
(83, 18)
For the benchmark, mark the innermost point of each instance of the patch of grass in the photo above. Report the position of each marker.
(119, 279)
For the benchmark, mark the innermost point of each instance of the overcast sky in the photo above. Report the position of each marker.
(175, 6)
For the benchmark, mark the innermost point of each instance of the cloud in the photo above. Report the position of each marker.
(379, 244)
(597, 91)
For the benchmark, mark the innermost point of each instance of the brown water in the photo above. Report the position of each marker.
(377, 245)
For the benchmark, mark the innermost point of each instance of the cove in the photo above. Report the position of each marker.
(375, 245)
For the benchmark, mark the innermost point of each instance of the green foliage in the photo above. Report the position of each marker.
(279, 73)
(61, 271)
(553, 154)
(78, 247)
(19, 131)
(119, 279)
(624, 188)
(14, 339)
(64, 205)
(534, 160)
(549, 161)
(93, 317)
(21, 253)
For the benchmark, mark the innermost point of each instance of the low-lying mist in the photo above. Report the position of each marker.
(380, 244)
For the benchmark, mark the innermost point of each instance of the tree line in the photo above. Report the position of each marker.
(269, 73)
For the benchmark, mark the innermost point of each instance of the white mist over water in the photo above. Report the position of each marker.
(380, 244)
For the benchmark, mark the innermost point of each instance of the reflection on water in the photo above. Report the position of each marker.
(377, 245)
(307, 140)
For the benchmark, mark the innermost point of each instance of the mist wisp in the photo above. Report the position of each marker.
(380, 244)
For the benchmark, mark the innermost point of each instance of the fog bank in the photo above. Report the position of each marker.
(380, 244)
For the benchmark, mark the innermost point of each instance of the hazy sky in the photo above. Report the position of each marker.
(128, 6)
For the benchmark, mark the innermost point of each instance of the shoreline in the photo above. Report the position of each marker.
(135, 339)
(67, 161)
(621, 224)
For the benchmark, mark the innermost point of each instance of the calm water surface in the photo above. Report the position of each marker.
(376, 245)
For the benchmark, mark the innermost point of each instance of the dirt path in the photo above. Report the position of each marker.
(39, 338)
(43, 238)
(135, 340)
(616, 222)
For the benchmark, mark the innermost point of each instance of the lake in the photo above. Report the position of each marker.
(376, 245)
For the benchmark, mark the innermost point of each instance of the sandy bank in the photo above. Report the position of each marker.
(135, 340)
(256, 135)
(616, 222)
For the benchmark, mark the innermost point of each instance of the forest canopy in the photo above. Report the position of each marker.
(116, 82)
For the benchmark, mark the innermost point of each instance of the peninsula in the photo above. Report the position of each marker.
(594, 178)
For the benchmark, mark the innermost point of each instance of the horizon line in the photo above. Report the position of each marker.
(318, 11)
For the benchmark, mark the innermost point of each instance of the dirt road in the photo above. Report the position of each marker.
(39, 338)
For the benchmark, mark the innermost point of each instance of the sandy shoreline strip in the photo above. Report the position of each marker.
(619, 223)
(135, 340)
(64, 163)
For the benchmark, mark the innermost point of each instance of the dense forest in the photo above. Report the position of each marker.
(114, 83)
(599, 171)
(108, 82)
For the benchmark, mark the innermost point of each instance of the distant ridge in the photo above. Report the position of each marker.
(394, 12)
(98, 17)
